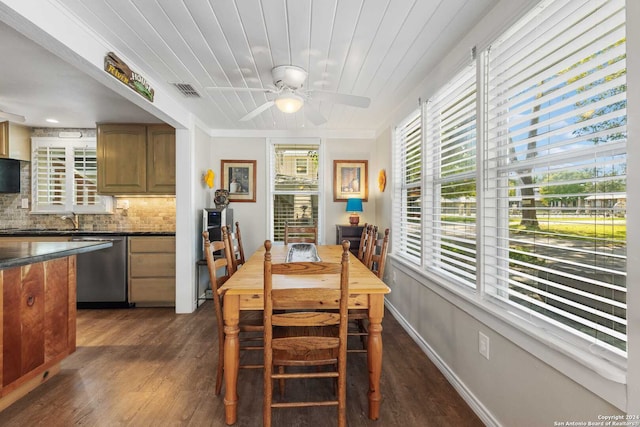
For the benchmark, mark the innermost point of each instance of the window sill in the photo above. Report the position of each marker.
(578, 364)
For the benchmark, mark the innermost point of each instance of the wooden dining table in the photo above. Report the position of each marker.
(244, 291)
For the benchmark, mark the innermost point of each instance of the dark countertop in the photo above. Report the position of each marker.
(15, 254)
(8, 232)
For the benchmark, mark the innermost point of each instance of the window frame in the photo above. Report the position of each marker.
(407, 244)
(445, 114)
(270, 179)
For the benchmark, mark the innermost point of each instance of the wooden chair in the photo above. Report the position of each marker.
(250, 326)
(235, 243)
(363, 242)
(314, 337)
(372, 236)
(375, 255)
(301, 233)
(377, 258)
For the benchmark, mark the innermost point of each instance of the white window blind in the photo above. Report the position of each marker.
(64, 174)
(555, 178)
(450, 179)
(295, 185)
(407, 241)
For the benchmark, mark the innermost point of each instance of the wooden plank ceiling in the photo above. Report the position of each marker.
(379, 49)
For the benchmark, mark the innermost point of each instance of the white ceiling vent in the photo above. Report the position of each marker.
(187, 90)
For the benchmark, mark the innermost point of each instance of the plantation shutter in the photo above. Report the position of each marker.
(295, 185)
(85, 177)
(49, 165)
(65, 175)
(407, 234)
(450, 179)
(556, 157)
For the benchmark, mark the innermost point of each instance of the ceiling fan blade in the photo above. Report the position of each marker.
(340, 98)
(241, 89)
(12, 117)
(257, 111)
(314, 115)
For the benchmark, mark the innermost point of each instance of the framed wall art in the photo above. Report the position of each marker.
(239, 178)
(350, 180)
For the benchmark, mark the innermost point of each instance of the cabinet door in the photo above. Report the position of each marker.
(38, 322)
(15, 141)
(23, 319)
(161, 159)
(122, 165)
(352, 233)
(4, 139)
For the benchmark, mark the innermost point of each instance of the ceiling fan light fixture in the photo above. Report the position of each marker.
(289, 103)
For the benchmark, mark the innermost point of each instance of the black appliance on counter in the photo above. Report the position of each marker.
(212, 221)
(102, 275)
(9, 176)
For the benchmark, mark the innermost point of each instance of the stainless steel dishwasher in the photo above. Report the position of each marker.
(102, 275)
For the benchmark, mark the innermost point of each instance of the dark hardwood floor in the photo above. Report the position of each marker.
(152, 367)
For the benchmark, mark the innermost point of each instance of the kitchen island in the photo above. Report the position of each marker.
(37, 312)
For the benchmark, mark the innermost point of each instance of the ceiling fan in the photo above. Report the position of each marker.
(4, 116)
(288, 83)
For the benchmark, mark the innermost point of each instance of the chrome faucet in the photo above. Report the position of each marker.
(73, 218)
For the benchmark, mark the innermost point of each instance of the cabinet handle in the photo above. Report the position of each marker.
(31, 300)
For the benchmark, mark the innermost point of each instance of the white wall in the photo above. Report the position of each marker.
(191, 242)
(253, 216)
(347, 149)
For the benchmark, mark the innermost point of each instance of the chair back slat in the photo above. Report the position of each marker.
(371, 244)
(306, 318)
(308, 299)
(300, 233)
(303, 344)
(363, 241)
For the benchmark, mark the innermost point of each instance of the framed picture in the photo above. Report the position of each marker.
(350, 180)
(239, 178)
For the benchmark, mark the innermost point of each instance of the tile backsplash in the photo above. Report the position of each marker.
(143, 213)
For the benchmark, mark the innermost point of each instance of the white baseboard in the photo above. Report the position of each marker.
(476, 405)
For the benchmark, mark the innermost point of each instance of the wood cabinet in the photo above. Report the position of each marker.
(152, 271)
(136, 159)
(38, 304)
(161, 159)
(352, 233)
(15, 141)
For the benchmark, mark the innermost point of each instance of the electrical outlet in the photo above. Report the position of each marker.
(122, 204)
(483, 345)
(25, 203)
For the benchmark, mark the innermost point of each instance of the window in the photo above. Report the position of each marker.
(64, 174)
(557, 154)
(450, 179)
(408, 178)
(539, 207)
(295, 190)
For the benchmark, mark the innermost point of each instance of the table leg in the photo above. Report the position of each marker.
(374, 353)
(231, 356)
